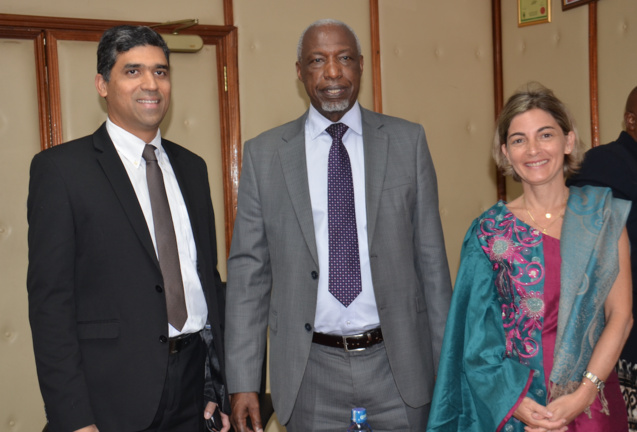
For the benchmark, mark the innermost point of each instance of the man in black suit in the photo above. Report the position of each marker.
(614, 165)
(121, 288)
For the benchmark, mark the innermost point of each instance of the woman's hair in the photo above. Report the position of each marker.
(530, 96)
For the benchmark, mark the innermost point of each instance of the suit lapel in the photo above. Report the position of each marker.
(294, 166)
(376, 144)
(114, 170)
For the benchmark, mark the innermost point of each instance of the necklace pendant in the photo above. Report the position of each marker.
(548, 215)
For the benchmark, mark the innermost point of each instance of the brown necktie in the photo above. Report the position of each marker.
(167, 251)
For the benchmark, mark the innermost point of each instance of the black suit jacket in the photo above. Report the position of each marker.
(96, 306)
(614, 165)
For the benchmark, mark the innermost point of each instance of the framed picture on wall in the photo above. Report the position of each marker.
(569, 4)
(534, 12)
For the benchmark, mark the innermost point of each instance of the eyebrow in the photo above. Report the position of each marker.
(339, 52)
(139, 65)
(543, 128)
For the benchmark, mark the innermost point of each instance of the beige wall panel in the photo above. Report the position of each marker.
(617, 42)
(206, 11)
(192, 120)
(268, 35)
(83, 110)
(554, 54)
(437, 71)
(20, 401)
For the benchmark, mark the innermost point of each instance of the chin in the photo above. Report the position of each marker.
(335, 107)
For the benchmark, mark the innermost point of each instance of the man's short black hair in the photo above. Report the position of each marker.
(119, 39)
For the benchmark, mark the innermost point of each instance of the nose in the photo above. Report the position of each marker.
(149, 81)
(533, 146)
(333, 69)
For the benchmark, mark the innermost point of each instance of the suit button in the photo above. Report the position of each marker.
(314, 275)
(163, 339)
(158, 288)
(308, 327)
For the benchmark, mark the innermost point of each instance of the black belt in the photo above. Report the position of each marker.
(352, 342)
(178, 343)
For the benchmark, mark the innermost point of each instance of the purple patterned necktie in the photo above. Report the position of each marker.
(345, 267)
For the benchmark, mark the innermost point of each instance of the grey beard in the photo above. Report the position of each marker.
(335, 106)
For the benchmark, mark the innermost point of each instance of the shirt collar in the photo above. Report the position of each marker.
(128, 145)
(316, 123)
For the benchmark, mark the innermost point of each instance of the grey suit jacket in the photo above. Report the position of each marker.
(273, 266)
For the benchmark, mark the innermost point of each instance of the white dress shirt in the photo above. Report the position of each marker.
(331, 316)
(130, 148)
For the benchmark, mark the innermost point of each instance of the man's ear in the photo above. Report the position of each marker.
(630, 120)
(101, 85)
(298, 71)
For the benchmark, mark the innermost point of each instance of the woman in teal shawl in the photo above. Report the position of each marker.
(542, 304)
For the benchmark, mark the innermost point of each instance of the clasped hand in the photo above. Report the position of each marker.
(557, 415)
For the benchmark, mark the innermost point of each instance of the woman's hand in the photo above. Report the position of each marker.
(538, 418)
(569, 406)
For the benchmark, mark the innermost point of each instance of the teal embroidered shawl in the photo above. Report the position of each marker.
(480, 378)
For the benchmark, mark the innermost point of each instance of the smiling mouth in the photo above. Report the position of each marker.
(148, 101)
(536, 164)
(334, 92)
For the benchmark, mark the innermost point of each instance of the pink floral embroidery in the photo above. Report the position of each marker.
(533, 305)
(510, 246)
(501, 248)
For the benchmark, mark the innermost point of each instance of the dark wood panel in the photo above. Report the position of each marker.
(377, 91)
(592, 74)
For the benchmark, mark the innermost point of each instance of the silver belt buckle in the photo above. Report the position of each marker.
(354, 336)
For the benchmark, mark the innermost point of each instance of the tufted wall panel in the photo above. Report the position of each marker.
(207, 11)
(617, 41)
(439, 74)
(20, 402)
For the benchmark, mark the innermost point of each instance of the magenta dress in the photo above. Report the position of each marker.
(600, 422)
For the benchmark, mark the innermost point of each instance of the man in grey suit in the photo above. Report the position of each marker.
(346, 329)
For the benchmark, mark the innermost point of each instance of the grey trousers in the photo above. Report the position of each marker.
(336, 381)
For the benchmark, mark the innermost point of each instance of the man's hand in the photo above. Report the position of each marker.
(225, 420)
(91, 428)
(244, 405)
(537, 417)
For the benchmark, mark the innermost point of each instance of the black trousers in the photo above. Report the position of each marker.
(181, 405)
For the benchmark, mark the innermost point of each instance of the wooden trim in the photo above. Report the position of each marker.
(593, 77)
(498, 87)
(228, 75)
(43, 91)
(376, 69)
(576, 4)
(228, 12)
(37, 36)
(53, 77)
